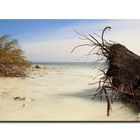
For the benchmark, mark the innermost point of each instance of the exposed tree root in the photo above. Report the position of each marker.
(120, 72)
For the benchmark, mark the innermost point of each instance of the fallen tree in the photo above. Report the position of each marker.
(120, 72)
(13, 63)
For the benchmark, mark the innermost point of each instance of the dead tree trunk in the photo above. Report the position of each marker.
(121, 71)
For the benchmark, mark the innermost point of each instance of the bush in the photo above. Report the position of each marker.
(12, 60)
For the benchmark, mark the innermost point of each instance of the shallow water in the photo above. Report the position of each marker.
(60, 93)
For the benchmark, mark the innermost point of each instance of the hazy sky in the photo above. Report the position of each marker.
(53, 40)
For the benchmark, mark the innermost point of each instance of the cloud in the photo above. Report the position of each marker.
(61, 41)
(55, 50)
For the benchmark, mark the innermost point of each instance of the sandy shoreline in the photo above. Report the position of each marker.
(55, 93)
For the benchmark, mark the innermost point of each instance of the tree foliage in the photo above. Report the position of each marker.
(10, 51)
(12, 59)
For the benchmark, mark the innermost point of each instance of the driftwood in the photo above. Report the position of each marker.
(120, 71)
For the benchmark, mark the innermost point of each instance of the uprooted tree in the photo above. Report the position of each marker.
(13, 63)
(120, 72)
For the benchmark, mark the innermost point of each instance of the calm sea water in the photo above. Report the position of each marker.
(60, 92)
(92, 65)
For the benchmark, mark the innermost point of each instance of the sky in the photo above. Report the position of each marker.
(52, 40)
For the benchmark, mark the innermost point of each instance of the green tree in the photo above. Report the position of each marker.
(12, 59)
(10, 51)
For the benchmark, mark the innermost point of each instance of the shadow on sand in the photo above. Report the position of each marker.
(85, 94)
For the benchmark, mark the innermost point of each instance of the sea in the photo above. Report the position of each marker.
(61, 91)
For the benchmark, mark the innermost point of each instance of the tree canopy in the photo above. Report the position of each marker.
(10, 51)
(12, 59)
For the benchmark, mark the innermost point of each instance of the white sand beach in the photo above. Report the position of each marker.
(57, 93)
